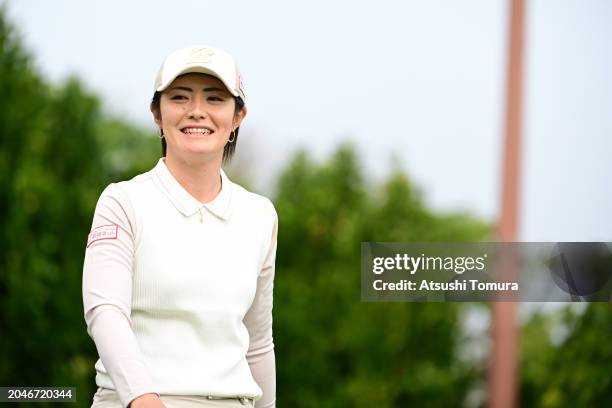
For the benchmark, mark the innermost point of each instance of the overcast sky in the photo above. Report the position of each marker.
(423, 80)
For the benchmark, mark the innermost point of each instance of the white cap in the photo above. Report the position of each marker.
(203, 59)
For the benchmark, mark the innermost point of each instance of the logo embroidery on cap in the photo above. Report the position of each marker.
(200, 55)
(102, 232)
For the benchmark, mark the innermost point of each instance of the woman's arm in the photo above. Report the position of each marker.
(263, 368)
(258, 321)
(107, 294)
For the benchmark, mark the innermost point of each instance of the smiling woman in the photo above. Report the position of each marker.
(198, 117)
(217, 95)
(179, 266)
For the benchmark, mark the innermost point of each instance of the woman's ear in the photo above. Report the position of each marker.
(239, 116)
(156, 116)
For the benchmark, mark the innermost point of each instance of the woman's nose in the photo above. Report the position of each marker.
(197, 108)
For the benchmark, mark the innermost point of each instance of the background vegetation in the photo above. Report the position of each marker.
(58, 150)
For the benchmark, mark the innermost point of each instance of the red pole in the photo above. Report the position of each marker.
(503, 369)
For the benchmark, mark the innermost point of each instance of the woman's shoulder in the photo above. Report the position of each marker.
(123, 193)
(128, 186)
(250, 200)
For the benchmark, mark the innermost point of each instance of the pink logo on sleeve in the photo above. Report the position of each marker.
(102, 232)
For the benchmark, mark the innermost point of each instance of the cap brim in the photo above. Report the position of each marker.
(198, 69)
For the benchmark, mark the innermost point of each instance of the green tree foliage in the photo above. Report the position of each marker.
(335, 350)
(566, 358)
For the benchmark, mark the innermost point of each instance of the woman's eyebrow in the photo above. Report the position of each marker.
(184, 88)
(214, 90)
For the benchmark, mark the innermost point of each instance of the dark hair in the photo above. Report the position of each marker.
(228, 150)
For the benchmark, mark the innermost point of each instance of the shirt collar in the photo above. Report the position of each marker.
(220, 206)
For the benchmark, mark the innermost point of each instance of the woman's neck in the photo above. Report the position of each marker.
(201, 179)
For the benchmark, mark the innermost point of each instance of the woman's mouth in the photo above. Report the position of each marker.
(197, 131)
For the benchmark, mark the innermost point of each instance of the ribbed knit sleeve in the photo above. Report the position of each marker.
(258, 321)
(107, 294)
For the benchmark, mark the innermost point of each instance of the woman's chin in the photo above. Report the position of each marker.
(203, 149)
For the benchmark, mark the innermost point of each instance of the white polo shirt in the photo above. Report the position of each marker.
(177, 294)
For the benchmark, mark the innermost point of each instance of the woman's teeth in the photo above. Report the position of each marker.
(204, 131)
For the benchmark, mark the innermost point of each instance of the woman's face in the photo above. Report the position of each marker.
(197, 116)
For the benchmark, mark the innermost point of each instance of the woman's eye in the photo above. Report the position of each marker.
(215, 98)
(178, 97)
